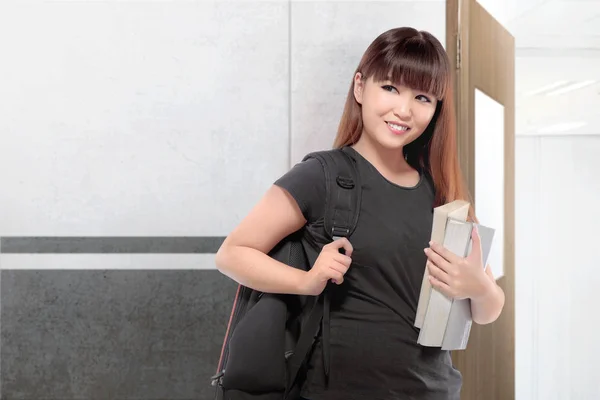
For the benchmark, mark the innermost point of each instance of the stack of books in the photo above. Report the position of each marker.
(443, 321)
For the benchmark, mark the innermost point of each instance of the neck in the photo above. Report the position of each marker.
(386, 160)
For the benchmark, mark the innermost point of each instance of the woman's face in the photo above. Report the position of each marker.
(393, 115)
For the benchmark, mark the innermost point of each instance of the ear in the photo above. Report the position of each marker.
(359, 87)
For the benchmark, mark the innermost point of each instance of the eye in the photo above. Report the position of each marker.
(389, 88)
(424, 98)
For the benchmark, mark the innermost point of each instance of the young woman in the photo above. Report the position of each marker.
(399, 126)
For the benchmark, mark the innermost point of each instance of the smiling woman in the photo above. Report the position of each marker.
(409, 88)
(398, 130)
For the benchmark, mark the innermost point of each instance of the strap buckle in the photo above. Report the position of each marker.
(217, 379)
(339, 232)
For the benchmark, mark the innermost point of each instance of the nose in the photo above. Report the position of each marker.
(403, 109)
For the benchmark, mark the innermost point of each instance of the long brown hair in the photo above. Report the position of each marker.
(418, 60)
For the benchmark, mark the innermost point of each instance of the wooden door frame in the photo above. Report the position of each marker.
(491, 349)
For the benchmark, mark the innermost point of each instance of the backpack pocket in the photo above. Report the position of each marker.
(256, 361)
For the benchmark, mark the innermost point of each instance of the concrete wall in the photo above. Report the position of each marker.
(133, 137)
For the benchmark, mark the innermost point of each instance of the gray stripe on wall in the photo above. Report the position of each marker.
(108, 245)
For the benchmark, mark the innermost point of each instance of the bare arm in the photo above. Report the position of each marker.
(487, 308)
(243, 255)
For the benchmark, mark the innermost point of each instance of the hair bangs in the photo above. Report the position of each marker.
(413, 63)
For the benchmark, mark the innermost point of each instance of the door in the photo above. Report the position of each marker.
(483, 55)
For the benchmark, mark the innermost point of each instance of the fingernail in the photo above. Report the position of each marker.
(431, 242)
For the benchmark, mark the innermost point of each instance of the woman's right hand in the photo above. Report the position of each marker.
(330, 265)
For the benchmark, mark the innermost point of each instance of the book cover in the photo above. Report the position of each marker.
(457, 209)
(448, 321)
(459, 324)
(456, 240)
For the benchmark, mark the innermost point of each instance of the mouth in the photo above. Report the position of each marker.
(398, 128)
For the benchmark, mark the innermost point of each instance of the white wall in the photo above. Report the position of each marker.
(497, 9)
(506, 11)
(328, 40)
(140, 118)
(169, 118)
(557, 276)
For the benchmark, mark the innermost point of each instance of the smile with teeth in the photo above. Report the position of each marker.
(398, 128)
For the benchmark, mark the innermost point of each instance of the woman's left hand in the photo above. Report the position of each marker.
(455, 276)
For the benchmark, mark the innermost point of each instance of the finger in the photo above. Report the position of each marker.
(441, 286)
(339, 267)
(439, 261)
(341, 258)
(444, 252)
(438, 273)
(337, 278)
(341, 243)
(490, 274)
(476, 245)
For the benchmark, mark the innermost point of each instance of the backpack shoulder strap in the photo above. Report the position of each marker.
(343, 191)
(342, 208)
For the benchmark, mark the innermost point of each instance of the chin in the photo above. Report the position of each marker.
(393, 143)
